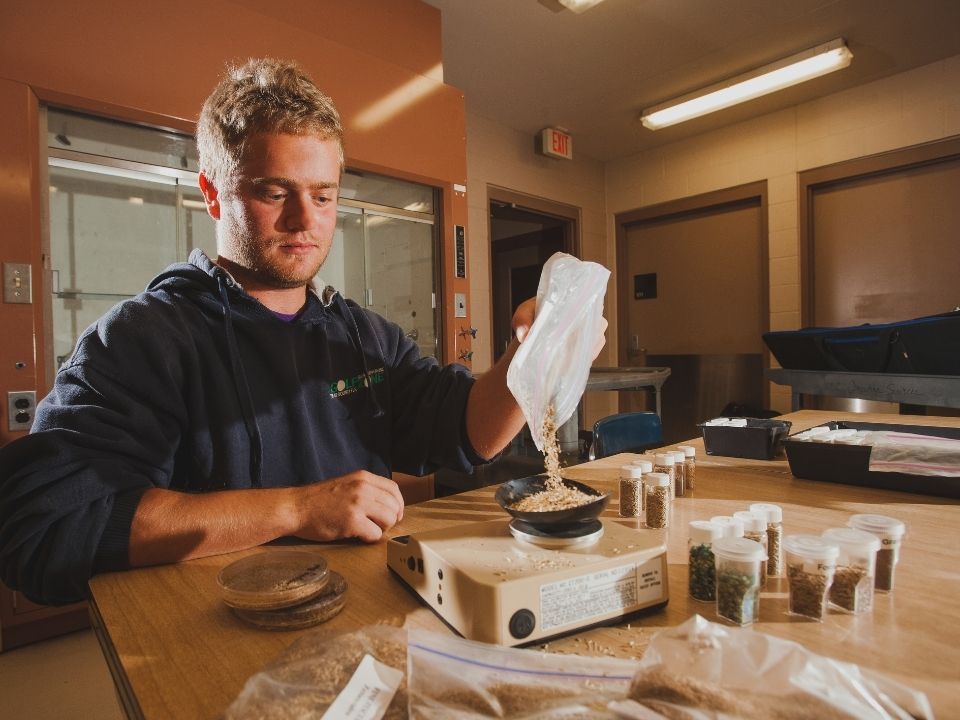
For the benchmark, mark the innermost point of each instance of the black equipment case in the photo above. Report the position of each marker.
(925, 346)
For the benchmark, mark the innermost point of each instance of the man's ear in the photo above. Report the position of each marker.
(210, 196)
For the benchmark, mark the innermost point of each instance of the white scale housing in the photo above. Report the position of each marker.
(491, 587)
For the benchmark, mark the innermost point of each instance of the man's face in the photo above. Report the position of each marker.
(278, 217)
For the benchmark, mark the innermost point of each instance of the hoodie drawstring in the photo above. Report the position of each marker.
(242, 387)
(351, 321)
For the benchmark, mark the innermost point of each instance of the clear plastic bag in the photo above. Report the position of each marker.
(700, 670)
(310, 675)
(454, 679)
(552, 364)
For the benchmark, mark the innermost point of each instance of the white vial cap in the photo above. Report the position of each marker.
(880, 525)
(678, 456)
(812, 547)
(739, 548)
(853, 541)
(644, 465)
(732, 527)
(630, 471)
(819, 430)
(687, 450)
(773, 513)
(738, 422)
(752, 522)
(665, 459)
(704, 532)
(657, 479)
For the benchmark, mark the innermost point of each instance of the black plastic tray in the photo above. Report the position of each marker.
(849, 464)
(759, 440)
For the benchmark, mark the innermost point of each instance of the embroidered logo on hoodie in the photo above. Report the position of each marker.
(346, 386)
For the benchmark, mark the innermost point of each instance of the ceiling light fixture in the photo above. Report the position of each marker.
(781, 74)
(579, 6)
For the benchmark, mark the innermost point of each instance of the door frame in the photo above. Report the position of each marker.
(887, 163)
(705, 203)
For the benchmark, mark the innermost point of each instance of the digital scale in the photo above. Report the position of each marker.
(509, 583)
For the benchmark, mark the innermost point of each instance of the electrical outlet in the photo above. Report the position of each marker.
(21, 407)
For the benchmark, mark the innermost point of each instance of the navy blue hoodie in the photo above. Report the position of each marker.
(195, 386)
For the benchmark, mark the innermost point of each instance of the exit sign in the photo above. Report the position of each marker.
(556, 143)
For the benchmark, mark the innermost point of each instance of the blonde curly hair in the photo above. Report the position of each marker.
(261, 95)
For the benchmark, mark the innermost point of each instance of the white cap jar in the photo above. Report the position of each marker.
(890, 531)
(852, 587)
(811, 562)
(702, 567)
(738, 562)
(774, 515)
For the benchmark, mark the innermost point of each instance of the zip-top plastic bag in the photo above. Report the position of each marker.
(551, 366)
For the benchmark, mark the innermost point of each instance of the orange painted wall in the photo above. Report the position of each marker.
(155, 63)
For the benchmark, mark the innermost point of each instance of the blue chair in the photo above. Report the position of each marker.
(626, 432)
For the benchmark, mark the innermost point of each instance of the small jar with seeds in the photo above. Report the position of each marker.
(664, 463)
(689, 466)
(774, 516)
(631, 491)
(656, 488)
(811, 563)
(755, 528)
(852, 587)
(703, 571)
(738, 562)
(680, 474)
(890, 531)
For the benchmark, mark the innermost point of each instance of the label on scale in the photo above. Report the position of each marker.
(601, 593)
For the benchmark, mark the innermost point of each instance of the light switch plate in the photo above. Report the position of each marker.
(16, 283)
(460, 305)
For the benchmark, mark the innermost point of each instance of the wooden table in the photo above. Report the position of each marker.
(175, 651)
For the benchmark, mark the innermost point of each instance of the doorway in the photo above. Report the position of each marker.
(524, 233)
(692, 296)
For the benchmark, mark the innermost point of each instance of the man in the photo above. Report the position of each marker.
(231, 404)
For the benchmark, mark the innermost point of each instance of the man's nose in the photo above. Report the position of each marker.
(300, 213)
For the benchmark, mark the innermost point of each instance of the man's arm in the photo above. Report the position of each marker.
(170, 526)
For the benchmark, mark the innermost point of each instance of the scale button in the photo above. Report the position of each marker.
(411, 563)
(522, 623)
(440, 574)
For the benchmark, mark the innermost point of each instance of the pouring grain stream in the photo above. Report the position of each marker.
(556, 495)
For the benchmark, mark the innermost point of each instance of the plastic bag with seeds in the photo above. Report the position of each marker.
(454, 679)
(702, 669)
(307, 678)
(551, 366)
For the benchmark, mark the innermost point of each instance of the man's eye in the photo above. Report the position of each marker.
(322, 199)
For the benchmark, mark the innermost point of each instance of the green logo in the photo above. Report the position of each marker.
(346, 386)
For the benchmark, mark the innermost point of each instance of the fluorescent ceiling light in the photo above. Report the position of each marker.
(782, 74)
(579, 6)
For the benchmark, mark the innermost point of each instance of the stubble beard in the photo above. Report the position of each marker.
(270, 268)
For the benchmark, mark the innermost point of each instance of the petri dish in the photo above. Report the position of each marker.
(273, 579)
(321, 608)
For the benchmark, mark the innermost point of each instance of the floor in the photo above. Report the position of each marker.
(58, 679)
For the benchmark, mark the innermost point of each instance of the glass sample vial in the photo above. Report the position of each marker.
(680, 476)
(852, 587)
(689, 466)
(890, 531)
(631, 491)
(774, 515)
(811, 562)
(755, 528)
(732, 527)
(703, 571)
(738, 562)
(665, 464)
(656, 488)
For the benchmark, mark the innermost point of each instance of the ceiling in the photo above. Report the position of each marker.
(529, 65)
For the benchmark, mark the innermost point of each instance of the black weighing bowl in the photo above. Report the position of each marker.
(515, 490)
